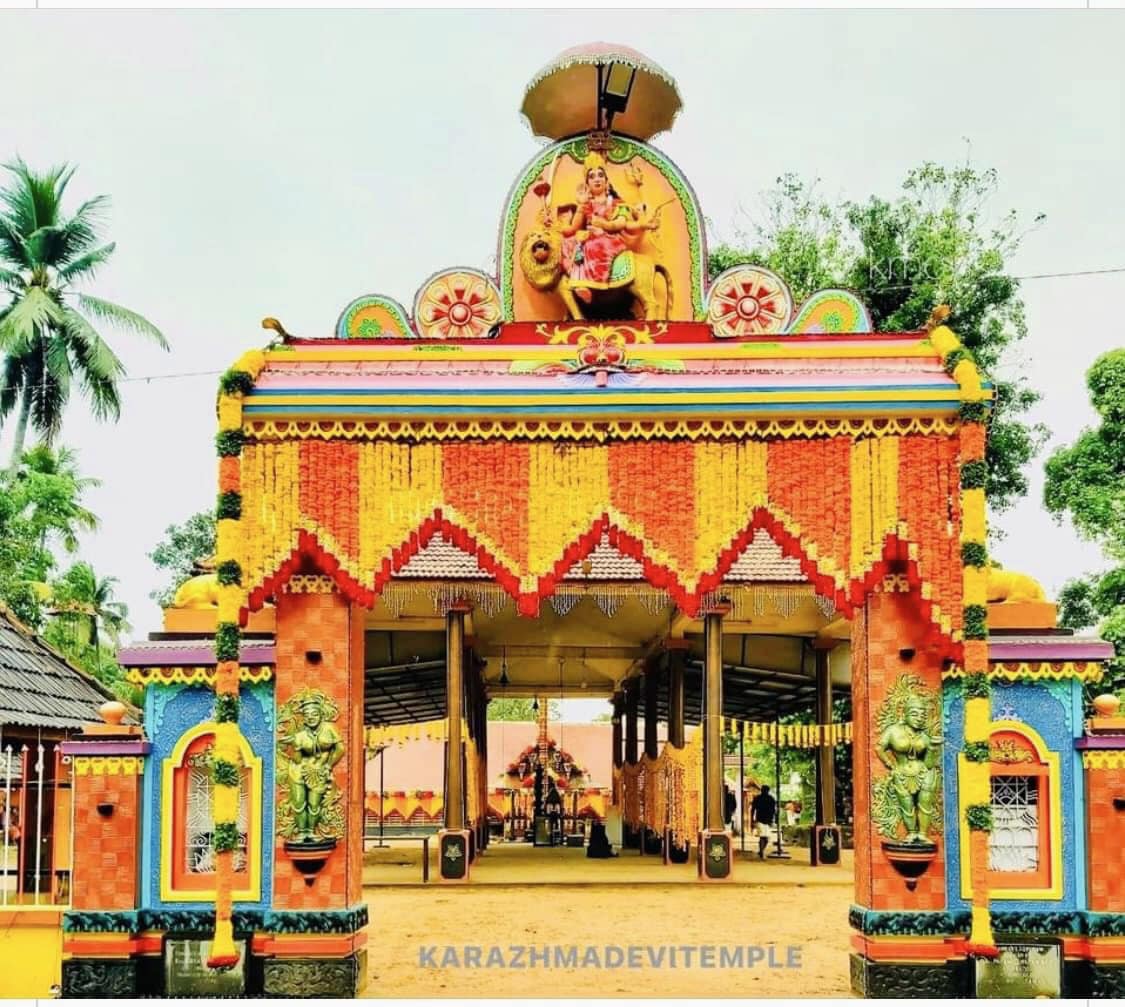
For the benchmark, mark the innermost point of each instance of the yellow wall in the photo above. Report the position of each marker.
(33, 938)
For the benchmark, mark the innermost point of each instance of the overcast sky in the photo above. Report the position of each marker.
(284, 163)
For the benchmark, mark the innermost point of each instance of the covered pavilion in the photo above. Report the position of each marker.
(602, 472)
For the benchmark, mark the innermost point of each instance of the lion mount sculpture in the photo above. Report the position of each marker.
(633, 275)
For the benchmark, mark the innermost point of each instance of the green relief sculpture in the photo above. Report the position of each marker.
(908, 799)
(310, 809)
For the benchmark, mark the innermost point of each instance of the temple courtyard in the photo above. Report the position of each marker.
(520, 896)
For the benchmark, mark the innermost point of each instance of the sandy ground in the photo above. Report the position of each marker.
(778, 905)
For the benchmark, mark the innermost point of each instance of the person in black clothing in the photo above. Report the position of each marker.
(729, 805)
(763, 813)
(553, 809)
(599, 847)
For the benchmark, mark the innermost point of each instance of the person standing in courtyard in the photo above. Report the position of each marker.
(730, 805)
(763, 812)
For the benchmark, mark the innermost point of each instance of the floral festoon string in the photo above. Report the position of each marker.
(976, 800)
(226, 754)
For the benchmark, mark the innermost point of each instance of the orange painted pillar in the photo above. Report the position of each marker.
(887, 635)
(891, 662)
(107, 766)
(320, 655)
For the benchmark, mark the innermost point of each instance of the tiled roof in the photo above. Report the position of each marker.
(762, 560)
(197, 652)
(38, 687)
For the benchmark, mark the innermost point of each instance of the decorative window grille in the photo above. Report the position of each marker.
(1014, 843)
(199, 855)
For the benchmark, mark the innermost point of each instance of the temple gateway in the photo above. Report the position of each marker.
(600, 473)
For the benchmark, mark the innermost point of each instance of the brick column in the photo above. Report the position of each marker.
(887, 639)
(889, 656)
(1105, 825)
(108, 763)
(320, 646)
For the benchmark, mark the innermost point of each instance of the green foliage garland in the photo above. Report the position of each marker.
(224, 773)
(226, 837)
(974, 475)
(979, 817)
(954, 357)
(977, 751)
(229, 572)
(229, 443)
(977, 687)
(974, 554)
(236, 382)
(227, 708)
(975, 617)
(229, 505)
(227, 638)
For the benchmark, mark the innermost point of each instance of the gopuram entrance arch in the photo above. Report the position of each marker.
(596, 405)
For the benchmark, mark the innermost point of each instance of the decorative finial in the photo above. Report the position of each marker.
(273, 323)
(112, 712)
(938, 317)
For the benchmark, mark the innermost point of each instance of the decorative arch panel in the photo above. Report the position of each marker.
(847, 508)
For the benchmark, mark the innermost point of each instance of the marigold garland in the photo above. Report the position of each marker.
(527, 513)
(226, 756)
(975, 775)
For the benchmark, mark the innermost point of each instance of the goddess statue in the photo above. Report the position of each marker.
(312, 749)
(908, 750)
(598, 228)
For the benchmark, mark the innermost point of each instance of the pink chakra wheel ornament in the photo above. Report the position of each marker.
(748, 301)
(457, 304)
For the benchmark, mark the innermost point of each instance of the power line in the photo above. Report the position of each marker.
(175, 375)
(1077, 272)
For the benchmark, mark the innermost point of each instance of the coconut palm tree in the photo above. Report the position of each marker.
(81, 594)
(48, 332)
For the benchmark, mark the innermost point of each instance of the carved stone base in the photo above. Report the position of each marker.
(316, 977)
(714, 856)
(894, 981)
(99, 978)
(1106, 982)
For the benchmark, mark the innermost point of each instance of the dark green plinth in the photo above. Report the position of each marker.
(454, 855)
(1106, 981)
(99, 978)
(316, 977)
(891, 981)
(715, 853)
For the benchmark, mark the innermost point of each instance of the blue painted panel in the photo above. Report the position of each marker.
(169, 712)
(1054, 711)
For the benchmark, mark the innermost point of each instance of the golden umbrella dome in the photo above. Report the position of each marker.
(565, 97)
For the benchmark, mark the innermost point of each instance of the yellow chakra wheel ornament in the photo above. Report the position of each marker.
(748, 301)
(457, 304)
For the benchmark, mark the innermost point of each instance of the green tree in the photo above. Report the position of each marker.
(24, 563)
(48, 328)
(935, 242)
(40, 508)
(520, 709)
(87, 601)
(84, 615)
(1086, 482)
(183, 547)
(51, 487)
